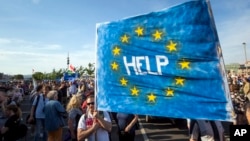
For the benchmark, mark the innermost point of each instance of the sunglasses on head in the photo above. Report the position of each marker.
(91, 103)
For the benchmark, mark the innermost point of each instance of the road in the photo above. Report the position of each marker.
(156, 130)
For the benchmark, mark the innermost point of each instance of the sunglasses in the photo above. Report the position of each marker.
(91, 103)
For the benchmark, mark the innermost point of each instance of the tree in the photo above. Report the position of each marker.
(18, 77)
(38, 76)
(90, 70)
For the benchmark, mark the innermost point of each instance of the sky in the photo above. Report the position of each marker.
(40, 34)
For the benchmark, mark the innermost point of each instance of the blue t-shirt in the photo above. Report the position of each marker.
(53, 115)
(40, 106)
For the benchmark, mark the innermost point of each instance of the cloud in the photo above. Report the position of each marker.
(232, 34)
(36, 1)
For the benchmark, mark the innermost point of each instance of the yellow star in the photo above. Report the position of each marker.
(124, 81)
(170, 92)
(139, 31)
(124, 39)
(151, 97)
(179, 81)
(134, 91)
(114, 66)
(172, 46)
(116, 51)
(184, 64)
(157, 35)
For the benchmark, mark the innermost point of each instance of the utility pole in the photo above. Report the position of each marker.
(244, 45)
(68, 61)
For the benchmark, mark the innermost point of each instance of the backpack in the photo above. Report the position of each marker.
(22, 130)
(77, 118)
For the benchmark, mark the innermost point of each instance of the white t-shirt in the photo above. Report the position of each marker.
(101, 134)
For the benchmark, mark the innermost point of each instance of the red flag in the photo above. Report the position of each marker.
(71, 68)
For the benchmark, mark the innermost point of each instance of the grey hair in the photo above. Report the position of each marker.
(51, 94)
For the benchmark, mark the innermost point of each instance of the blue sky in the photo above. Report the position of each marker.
(39, 34)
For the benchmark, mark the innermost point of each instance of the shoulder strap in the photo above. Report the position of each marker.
(37, 100)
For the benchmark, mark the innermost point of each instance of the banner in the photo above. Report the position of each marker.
(165, 63)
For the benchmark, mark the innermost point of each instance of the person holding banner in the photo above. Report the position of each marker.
(94, 125)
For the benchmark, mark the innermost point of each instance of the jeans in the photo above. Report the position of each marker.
(40, 132)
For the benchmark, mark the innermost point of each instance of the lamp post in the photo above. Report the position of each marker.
(244, 45)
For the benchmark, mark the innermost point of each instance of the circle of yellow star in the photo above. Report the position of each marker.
(134, 91)
(184, 65)
(157, 35)
(124, 39)
(169, 92)
(116, 51)
(139, 31)
(151, 98)
(124, 81)
(179, 81)
(172, 46)
(114, 66)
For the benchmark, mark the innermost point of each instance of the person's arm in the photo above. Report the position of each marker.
(32, 111)
(107, 125)
(195, 133)
(131, 124)
(85, 133)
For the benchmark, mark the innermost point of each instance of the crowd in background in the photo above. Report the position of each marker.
(239, 86)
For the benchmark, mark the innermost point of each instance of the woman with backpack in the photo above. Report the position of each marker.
(10, 130)
(74, 113)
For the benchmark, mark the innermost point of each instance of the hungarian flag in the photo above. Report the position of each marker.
(72, 68)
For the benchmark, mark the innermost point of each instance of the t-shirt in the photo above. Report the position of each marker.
(101, 134)
(72, 115)
(40, 106)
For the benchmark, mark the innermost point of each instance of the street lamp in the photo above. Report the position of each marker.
(244, 45)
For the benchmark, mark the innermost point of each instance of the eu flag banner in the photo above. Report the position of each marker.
(165, 63)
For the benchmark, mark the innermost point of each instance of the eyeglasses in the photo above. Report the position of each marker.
(91, 103)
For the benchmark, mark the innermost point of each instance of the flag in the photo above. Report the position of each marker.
(71, 68)
(165, 63)
(34, 82)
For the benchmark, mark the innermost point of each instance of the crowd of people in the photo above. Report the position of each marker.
(74, 102)
(56, 105)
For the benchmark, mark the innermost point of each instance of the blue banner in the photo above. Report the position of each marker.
(165, 63)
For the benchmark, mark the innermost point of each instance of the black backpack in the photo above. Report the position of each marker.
(22, 130)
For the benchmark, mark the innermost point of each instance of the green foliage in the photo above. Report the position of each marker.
(89, 70)
(18, 77)
(38, 76)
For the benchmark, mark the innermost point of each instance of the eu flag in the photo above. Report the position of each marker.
(166, 63)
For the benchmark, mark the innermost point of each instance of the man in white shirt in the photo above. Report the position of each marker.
(94, 126)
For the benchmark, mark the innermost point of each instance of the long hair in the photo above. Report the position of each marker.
(74, 102)
(16, 110)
